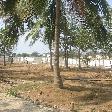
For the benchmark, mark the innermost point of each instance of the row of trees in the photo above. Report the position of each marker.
(33, 54)
(68, 24)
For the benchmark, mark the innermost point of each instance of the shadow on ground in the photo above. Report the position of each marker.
(97, 93)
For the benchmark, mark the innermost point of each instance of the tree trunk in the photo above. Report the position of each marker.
(66, 52)
(99, 62)
(51, 66)
(66, 58)
(11, 60)
(109, 58)
(103, 62)
(57, 78)
(95, 59)
(79, 55)
(4, 56)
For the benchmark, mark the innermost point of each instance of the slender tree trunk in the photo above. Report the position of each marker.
(4, 52)
(4, 56)
(109, 58)
(66, 57)
(51, 65)
(103, 61)
(66, 60)
(57, 78)
(66, 52)
(87, 62)
(11, 60)
(110, 61)
(79, 55)
(95, 62)
(95, 58)
(99, 62)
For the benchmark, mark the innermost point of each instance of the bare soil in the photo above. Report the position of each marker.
(14, 104)
(36, 82)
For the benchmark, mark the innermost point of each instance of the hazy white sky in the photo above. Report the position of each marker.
(39, 47)
(23, 46)
(110, 2)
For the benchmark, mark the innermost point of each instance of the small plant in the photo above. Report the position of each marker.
(12, 92)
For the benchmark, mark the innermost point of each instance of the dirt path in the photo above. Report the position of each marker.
(12, 104)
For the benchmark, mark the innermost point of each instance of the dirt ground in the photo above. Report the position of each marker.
(14, 104)
(36, 83)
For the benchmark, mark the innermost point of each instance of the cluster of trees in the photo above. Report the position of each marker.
(68, 24)
(6, 44)
(33, 54)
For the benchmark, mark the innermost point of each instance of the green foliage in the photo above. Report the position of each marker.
(18, 55)
(95, 20)
(25, 55)
(92, 14)
(6, 39)
(35, 33)
(12, 92)
(42, 13)
(35, 54)
(13, 25)
(6, 42)
(9, 6)
(83, 39)
(26, 87)
(22, 87)
(47, 20)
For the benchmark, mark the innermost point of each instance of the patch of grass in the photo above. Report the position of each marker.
(22, 88)
(26, 87)
(12, 92)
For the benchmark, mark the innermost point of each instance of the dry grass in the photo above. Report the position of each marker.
(85, 95)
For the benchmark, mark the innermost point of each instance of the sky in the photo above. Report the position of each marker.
(110, 2)
(23, 47)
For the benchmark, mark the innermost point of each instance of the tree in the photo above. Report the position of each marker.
(57, 78)
(25, 55)
(49, 24)
(65, 43)
(18, 55)
(83, 40)
(13, 25)
(35, 54)
(6, 44)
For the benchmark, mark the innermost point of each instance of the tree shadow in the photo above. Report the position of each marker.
(74, 88)
(10, 110)
(95, 94)
(6, 75)
(89, 69)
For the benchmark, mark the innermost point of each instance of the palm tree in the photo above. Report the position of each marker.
(57, 77)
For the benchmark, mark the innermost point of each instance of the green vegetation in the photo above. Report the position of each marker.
(12, 92)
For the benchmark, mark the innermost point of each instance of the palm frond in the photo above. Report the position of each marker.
(92, 11)
(35, 32)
